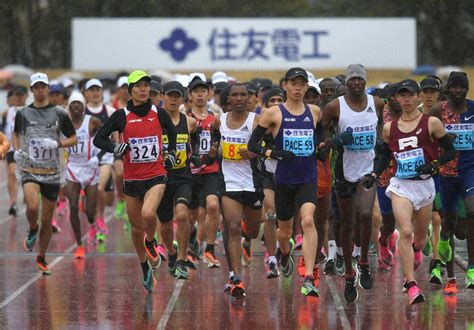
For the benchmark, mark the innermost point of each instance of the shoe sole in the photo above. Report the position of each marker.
(470, 286)
(356, 297)
(291, 268)
(26, 247)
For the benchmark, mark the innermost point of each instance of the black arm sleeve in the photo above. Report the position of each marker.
(449, 151)
(116, 123)
(254, 144)
(18, 122)
(382, 159)
(195, 139)
(67, 128)
(168, 127)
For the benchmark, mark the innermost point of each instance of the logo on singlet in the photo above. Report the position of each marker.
(151, 119)
(370, 109)
(411, 141)
(244, 129)
(467, 118)
(307, 119)
(290, 119)
(418, 131)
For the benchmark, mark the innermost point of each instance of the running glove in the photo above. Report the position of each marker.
(49, 144)
(430, 168)
(121, 148)
(368, 181)
(169, 158)
(343, 139)
(18, 155)
(282, 155)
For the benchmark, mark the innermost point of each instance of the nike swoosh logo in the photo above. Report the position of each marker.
(467, 190)
(467, 118)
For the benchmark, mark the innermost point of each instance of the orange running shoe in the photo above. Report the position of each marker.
(301, 267)
(451, 288)
(80, 252)
(237, 289)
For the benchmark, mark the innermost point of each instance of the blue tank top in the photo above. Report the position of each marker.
(296, 134)
(466, 152)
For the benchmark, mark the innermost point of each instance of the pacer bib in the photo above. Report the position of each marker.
(298, 141)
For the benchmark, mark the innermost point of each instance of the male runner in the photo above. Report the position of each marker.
(36, 140)
(141, 127)
(205, 176)
(356, 117)
(177, 196)
(20, 93)
(293, 125)
(242, 196)
(82, 170)
(457, 177)
(409, 140)
(94, 95)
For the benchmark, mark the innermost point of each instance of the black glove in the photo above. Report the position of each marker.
(121, 148)
(343, 139)
(368, 181)
(169, 159)
(282, 155)
(196, 160)
(208, 160)
(322, 154)
(430, 168)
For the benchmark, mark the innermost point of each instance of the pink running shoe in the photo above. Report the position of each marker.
(162, 251)
(415, 295)
(385, 255)
(298, 242)
(61, 207)
(91, 236)
(418, 260)
(101, 225)
(392, 243)
(56, 228)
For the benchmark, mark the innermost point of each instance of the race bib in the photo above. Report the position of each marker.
(298, 141)
(37, 152)
(408, 161)
(181, 152)
(464, 138)
(204, 142)
(231, 151)
(363, 139)
(144, 149)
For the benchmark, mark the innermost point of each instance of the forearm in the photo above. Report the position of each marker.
(68, 142)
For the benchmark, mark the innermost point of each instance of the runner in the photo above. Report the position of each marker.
(140, 126)
(293, 125)
(36, 140)
(457, 177)
(177, 196)
(94, 94)
(82, 171)
(410, 140)
(205, 177)
(356, 117)
(20, 94)
(242, 195)
(429, 95)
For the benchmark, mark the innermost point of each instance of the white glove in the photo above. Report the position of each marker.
(49, 144)
(18, 155)
(93, 162)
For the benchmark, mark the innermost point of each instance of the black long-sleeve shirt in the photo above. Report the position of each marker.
(116, 123)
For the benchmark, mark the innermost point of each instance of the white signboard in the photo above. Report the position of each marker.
(242, 44)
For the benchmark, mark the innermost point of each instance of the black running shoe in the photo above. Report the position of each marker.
(330, 268)
(350, 292)
(365, 280)
(172, 260)
(272, 270)
(181, 272)
(340, 269)
(237, 289)
(13, 211)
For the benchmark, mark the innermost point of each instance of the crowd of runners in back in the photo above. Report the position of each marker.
(327, 166)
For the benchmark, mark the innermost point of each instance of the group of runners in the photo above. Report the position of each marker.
(320, 165)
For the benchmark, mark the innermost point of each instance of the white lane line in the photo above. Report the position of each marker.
(9, 218)
(25, 286)
(171, 304)
(338, 303)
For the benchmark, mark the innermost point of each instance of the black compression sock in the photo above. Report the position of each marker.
(145, 267)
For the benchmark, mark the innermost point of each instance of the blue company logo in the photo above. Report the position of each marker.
(178, 44)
